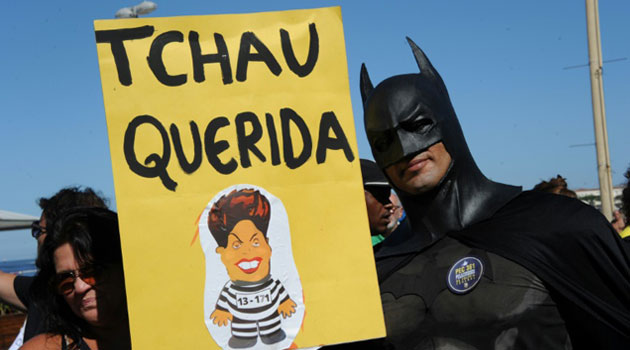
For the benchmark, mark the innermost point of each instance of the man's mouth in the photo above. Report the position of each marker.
(418, 162)
(249, 266)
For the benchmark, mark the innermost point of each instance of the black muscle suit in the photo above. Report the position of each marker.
(550, 272)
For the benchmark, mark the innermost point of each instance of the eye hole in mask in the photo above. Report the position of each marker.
(419, 125)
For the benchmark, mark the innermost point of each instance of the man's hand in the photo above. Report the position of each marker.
(220, 317)
(287, 308)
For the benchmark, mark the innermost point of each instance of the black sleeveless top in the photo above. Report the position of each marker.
(64, 344)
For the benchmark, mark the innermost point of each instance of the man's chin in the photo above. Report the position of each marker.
(415, 190)
(416, 186)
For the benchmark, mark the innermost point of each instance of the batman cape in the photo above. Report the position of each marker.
(578, 255)
(571, 247)
(533, 267)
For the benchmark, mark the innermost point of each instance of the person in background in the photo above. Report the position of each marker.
(391, 234)
(557, 185)
(619, 223)
(379, 209)
(16, 290)
(80, 286)
(399, 213)
(625, 210)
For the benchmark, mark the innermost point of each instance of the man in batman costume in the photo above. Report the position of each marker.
(487, 266)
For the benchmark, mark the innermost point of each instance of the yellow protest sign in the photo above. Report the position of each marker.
(237, 181)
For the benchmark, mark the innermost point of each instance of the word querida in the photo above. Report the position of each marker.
(156, 164)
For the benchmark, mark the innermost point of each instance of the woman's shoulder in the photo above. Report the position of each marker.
(44, 341)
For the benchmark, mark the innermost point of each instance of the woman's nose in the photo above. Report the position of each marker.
(80, 286)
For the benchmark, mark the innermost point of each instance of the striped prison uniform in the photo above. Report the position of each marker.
(254, 307)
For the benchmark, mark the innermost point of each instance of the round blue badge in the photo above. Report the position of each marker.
(464, 275)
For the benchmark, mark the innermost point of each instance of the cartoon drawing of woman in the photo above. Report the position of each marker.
(252, 300)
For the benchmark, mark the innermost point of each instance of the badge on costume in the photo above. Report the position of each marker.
(464, 275)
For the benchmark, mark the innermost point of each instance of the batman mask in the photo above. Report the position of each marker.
(404, 116)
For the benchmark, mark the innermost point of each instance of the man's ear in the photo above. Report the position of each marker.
(219, 250)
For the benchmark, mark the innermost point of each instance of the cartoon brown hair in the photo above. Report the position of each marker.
(245, 204)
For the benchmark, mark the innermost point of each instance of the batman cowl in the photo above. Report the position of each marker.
(404, 116)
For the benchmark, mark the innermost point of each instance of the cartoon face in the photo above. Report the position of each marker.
(247, 254)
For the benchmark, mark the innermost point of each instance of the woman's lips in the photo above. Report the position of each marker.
(88, 302)
(249, 265)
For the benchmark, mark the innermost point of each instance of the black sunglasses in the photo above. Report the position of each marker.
(37, 230)
(381, 193)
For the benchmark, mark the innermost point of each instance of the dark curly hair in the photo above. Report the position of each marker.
(557, 185)
(68, 198)
(245, 204)
(93, 235)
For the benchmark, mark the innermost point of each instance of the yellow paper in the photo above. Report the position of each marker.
(192, 123)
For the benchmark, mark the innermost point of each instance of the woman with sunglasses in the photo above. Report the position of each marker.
(81, 284)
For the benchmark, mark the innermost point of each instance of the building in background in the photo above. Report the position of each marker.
(591, 196)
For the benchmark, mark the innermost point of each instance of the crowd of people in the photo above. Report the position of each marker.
(463, 262)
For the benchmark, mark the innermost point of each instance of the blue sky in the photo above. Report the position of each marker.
(502, 61)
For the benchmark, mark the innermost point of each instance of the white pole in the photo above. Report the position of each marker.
(599, 111)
